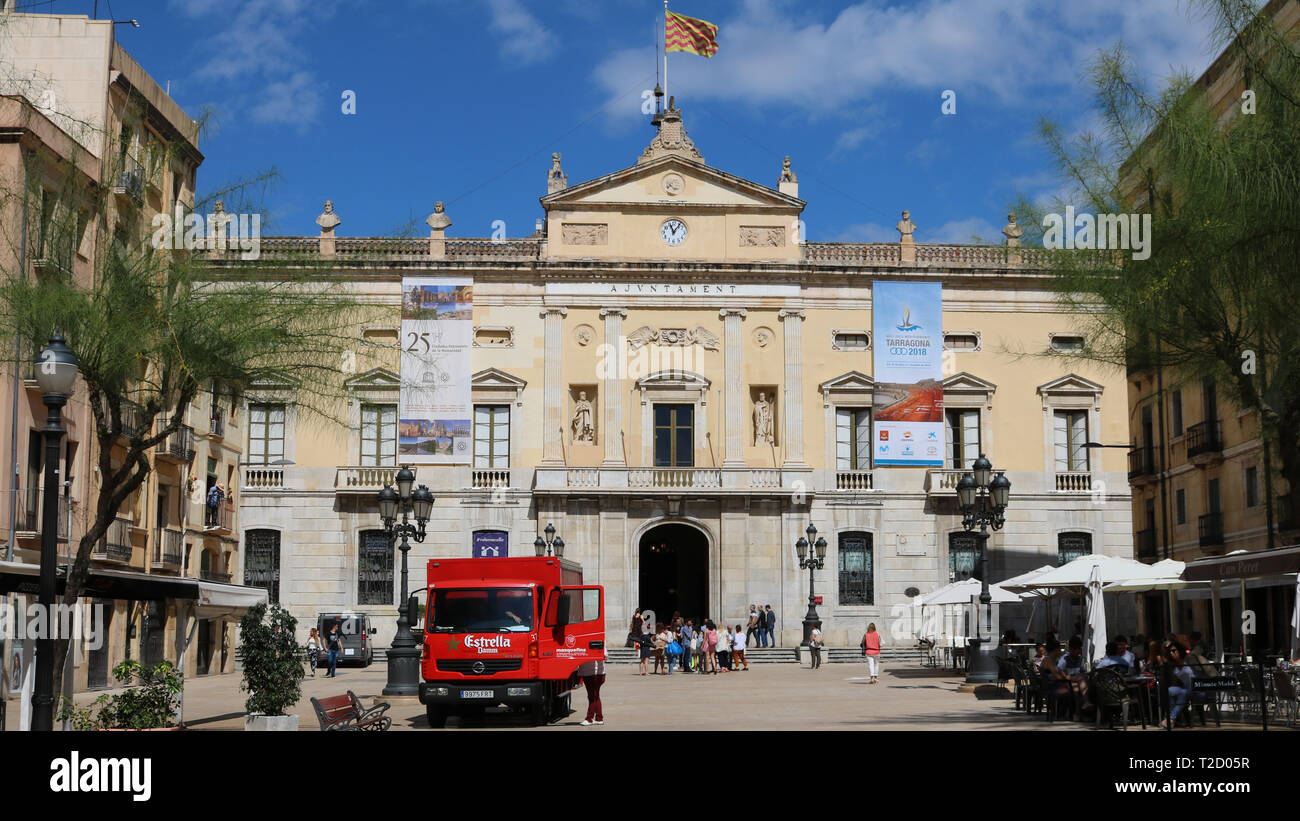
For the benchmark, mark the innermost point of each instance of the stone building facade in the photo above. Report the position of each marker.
(675, 378)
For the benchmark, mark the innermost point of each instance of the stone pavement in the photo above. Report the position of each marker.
(768, 697)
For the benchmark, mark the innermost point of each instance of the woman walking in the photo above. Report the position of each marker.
(738, 648)
(645, 648)
(593, 675)
(313, 650)
(871, 649)
(710, 648)
(662, 637)
(634, 630)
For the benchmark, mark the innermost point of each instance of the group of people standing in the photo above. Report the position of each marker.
(684, 645)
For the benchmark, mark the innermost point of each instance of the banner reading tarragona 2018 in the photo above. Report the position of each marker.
(435, 407)
(907, 342)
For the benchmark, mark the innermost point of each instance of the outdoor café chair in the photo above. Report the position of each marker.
(1284, 692)
(1112, 694)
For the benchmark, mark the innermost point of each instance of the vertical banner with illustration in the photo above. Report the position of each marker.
(907, 338)
(435, 409)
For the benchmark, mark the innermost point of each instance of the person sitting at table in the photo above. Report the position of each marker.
(1074, 667)
(1114, 658)
(1155, 659)
(1121, 644)
(1180, 686)
(1054, 679)
(1040, 653)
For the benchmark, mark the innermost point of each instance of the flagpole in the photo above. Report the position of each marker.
(665, 53)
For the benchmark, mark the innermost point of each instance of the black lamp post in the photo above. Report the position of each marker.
(983, 498)
(404, 655)
(56, 374)
(811, 562)
(552, 545)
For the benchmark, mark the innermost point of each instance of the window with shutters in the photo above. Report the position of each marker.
(492, 436)
(378, 434)
(963, 555)
(856, 569)
(262, 562)
(1071, 546)
(852, 439)
(265, 433)
(374, 568)
(963, 437)
(1070, 433)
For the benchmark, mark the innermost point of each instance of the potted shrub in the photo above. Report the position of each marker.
(273, 667)
(149, 703)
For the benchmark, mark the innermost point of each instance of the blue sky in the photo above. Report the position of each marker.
(464, 100)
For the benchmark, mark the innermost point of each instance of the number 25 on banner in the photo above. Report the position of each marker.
(416, 339)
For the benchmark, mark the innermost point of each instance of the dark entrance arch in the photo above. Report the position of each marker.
(674, 560)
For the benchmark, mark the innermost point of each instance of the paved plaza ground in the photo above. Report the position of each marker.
(768, 697)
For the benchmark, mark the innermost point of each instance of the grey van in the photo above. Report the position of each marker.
(354, 633)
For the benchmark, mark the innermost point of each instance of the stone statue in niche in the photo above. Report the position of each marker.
(584, 429)
(762, 420)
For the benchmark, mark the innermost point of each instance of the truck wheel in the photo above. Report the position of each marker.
(437, 718)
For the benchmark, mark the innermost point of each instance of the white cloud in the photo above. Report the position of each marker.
(959, 231)
(521, 37)
(773, 52)
(256, 45)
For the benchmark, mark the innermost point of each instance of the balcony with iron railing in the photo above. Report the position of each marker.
(168, 548)
(214, 576)
(179, 446)
(115, 545)
(217, 422)
(132, 419)
(1144, 542)
(1141, 465)
(221, 517)
(30, 503)
(1204, 444)
(1210, 529)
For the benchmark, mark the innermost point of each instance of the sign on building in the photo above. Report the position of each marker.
(907, 411)
(435, 408)
(491, 544)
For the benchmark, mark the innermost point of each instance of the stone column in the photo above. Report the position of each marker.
(553, 390)
(612, 389)
(733, 370)
(791, 405)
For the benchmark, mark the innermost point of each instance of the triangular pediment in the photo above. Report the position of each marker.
(497, 378)
(1071, 383)
(375, 378)
(851, 381)
(671, 182)
(967, 383)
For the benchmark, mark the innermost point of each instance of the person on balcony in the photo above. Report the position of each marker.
(215, 495)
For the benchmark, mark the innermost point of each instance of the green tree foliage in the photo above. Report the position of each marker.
(272, 660)
(1217, 297)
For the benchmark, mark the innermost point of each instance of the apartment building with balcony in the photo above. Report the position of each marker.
(1197, 463)
(78, 113)
(615, 382)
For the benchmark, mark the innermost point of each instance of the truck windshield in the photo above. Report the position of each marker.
(478, 610)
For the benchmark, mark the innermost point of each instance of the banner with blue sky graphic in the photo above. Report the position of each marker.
(907, 343)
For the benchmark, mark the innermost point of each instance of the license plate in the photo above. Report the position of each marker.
(348, 651)
(477, 694)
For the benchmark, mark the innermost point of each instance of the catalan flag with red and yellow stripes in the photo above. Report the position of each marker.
(682, 33)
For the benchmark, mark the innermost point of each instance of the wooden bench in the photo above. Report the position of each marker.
(346, 713)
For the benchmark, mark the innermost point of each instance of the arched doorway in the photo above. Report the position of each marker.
(674, 562)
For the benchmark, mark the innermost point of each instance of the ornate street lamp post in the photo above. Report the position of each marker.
(552, 545)
(56, 374)
(812, 562)
(983, 498)
(404, 655)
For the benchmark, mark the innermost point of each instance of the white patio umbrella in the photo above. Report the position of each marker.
(961, 593)
(1074, 577)
(1094, 635)
(1017, 584)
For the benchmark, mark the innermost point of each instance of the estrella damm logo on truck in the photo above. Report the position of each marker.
(487, 644)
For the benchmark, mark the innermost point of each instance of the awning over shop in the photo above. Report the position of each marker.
(216, 600)
(1245, 565)
(212, 599)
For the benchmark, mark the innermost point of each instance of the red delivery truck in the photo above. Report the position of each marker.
(507, 631)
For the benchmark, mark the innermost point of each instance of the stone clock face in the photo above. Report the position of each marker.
(673, 232)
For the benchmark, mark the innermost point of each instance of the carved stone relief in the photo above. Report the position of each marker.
(579, 233)
(762, 236)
